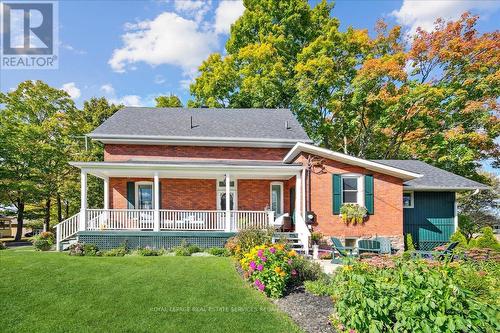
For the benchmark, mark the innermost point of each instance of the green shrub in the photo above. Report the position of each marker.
(219, 252)
(410, 246)
(321, 287)
(247, 239)
(306, 270)
(193, 249)
(147, 252)
(413, 296)
(459, 237)
(76, 249)
(118, 252)
(269, 268)
(487, 240)
(43, 241)
(91, 250)
(185, 249)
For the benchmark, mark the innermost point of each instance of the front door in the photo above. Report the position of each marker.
(221, 201)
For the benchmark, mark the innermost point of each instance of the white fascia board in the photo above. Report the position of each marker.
(370, 165)
(101, 167)
(194, 141)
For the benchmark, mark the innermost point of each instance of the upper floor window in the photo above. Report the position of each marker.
(408, 200)
(350, 189)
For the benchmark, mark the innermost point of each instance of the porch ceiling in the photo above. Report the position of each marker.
(191, 169)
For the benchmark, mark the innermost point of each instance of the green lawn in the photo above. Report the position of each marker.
(53, 292)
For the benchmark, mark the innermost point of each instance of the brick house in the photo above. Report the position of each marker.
(201, 175)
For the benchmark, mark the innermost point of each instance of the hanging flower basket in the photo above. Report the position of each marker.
(352, 213)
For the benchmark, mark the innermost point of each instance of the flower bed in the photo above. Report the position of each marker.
(396, 295)
(269, 267)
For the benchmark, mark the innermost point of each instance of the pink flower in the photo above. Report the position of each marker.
(352, 331)
(264, 259)
(262, 287)
(260, 267)
(252, 265)
(272, 250)
(260, 253)
(294, 272)
(257, 282)
(290, 261)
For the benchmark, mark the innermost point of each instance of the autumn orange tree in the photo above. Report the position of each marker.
(431, 96)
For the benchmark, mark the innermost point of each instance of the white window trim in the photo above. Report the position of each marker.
(412, 199)
(361, 188)
(271, 197)
(137, 193)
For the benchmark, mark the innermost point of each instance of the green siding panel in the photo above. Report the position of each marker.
(336, 195)
(369, 194)
(431, 221)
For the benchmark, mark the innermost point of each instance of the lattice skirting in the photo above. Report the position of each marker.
(107, 240)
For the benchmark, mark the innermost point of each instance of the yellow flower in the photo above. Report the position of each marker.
(292, 253)
(347, 268)
(280, 247)
(277, 270)
(282, 274)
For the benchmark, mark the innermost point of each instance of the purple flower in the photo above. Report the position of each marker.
(260, 253)
(260, 267)
(272, 250)
(264, 259)
(261, 287)
(257, 282)
(252, 265)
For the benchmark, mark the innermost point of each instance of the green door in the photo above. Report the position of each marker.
(431, 221)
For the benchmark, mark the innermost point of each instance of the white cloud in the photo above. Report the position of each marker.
(168, 39)
(226, 14)
(159, 79)
(193, 8)
(421, 13)
(73, 91)
(128, 100)
(108, 89)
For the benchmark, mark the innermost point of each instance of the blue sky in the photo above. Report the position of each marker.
(132, 51)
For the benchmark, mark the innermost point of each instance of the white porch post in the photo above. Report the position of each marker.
(228, 202)
(156, 189)
(83, 202)
(298, 195)
(106, 193)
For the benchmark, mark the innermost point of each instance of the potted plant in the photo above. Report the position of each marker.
(352, 213)
(315, 239)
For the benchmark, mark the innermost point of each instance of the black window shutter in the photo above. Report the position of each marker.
(130, 195)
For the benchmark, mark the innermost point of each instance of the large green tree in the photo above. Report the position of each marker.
(432, 97)
(170, 101)
(33, 139)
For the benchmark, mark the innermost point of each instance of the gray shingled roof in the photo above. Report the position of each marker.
(433, 178)
(208, 123)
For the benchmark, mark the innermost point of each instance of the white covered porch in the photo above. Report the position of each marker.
(152, 218)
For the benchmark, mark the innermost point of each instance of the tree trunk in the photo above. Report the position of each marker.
(20, 220)
(46, 222)
(66, 214)
(59, 208)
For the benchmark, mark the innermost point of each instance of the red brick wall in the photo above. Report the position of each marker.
(189, 194)
(255, 194)
(387, 219)
(124, 152)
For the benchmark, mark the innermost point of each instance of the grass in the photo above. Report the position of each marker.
(53, 292)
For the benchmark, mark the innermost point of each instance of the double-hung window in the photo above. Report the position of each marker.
(350, 189)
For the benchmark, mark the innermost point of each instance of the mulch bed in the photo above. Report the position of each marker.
(308, 311)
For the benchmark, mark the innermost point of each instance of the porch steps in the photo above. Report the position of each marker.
(292, 238)
(65, 244)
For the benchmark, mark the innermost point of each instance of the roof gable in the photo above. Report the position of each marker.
(202, 124)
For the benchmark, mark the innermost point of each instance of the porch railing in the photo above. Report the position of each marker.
(203, 220)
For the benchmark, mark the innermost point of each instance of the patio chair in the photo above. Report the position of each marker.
(368, 246)
(385, 245)
(436, 254)
(343, 251)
